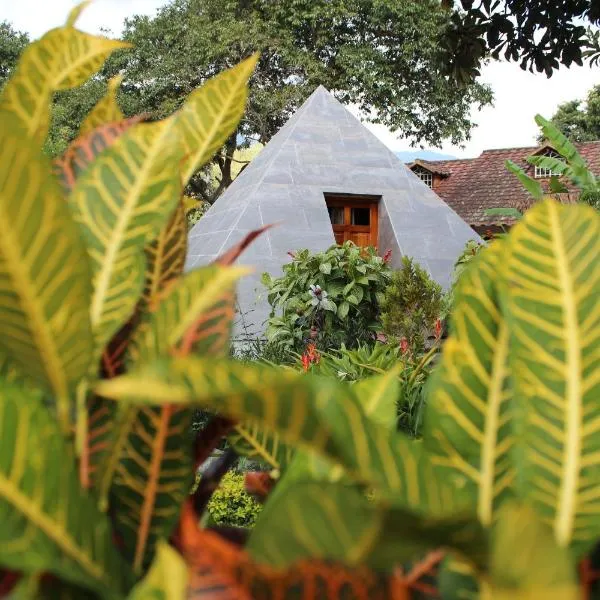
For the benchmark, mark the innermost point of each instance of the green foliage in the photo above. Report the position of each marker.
(12, 44)
(331, 297)
(232, 505)
(466, 257)
(578, 123)
(541, 36)
(412, 304)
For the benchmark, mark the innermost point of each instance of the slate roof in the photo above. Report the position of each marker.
(323, 149)
(473, 185)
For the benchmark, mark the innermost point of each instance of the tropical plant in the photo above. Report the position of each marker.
(330, 298)
(413, 304)
(502, 477)
(470, 251)
(231, 504)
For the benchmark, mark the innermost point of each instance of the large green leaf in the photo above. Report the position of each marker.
(83, 150)
(121, 202)
(254, 441)
(48, 522)
(167, 578)
(469, 431)
(106, 110)
(62, 59)
(334, 521)
(531, 185)
(165, 257)
(148, 468)
(212, 114)
(316, 413)
(553, 283)
(44, 274)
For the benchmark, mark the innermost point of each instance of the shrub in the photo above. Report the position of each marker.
(412, 305)
(331, 298)
(231, 505)
(470, 251)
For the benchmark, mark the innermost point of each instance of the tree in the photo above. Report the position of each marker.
(12, 43)
(541, 34)
(579, 121)
(382, 55)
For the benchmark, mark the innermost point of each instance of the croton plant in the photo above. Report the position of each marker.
(106, 348)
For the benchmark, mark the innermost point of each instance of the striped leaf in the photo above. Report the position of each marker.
(106, 110)
(84, 149)
(64, 58)
(315, 413)
(48, 522)
(553, 274)
(219, 569)
(152, 479)
(333, 521)
(165, 257)
(211, 115)
(457, 580)
(377, 395)
(121, 202)
(195, 313)
(254, 441)
(167, 578)
(148, 468)
(469, 431)
(44, 275)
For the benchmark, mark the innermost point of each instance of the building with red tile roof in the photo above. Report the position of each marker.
(470, 186)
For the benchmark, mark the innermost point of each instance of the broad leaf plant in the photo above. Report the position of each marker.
(107, 347)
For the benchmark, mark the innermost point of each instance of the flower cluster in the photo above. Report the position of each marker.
(311, 356)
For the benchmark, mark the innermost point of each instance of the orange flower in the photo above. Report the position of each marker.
(404, 345)
(438, 329)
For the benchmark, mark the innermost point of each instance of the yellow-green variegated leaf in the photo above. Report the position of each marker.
(49, 524)
(254, 441)
(212, 113)
(167, 578)
(468, 425)
(191, 311)
(379, 397)
(106, 110)
(316, 413)
(148, 468)
(553, 283)
(62, 59)
(331, 521)
(165, 257)
(45, 284)
(121, 202)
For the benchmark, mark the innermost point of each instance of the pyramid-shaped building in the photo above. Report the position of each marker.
(320, 162)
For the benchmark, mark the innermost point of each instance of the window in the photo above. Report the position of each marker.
(424, 175)
(542, 172)
(353, 218)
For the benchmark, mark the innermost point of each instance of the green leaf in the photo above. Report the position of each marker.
(343, 309)
(48, 522)
(325, 268)
(553, 283)
(317, 413)
(503, 212)
(531, 185)
(457, 580)
(165, 257)
(106, 110)
(64, 58)
(252, 440)
(333, 521)
(468, 421)
(167, 578)
(44, 275)
(121, 202)
(212, 113)
(379, 395)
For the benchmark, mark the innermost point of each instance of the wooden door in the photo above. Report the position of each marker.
(353, 220)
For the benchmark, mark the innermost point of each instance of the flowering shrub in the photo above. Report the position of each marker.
(231, 504)
(327, 298)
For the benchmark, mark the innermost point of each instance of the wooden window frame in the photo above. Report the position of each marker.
(350, 201)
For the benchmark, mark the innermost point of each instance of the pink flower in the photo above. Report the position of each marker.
(387, 256)
(291, 254)
(438, 329)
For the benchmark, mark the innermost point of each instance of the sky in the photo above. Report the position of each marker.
(519, 95)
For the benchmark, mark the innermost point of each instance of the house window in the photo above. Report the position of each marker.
(353, 218)
(542, 172)
(424, 175)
